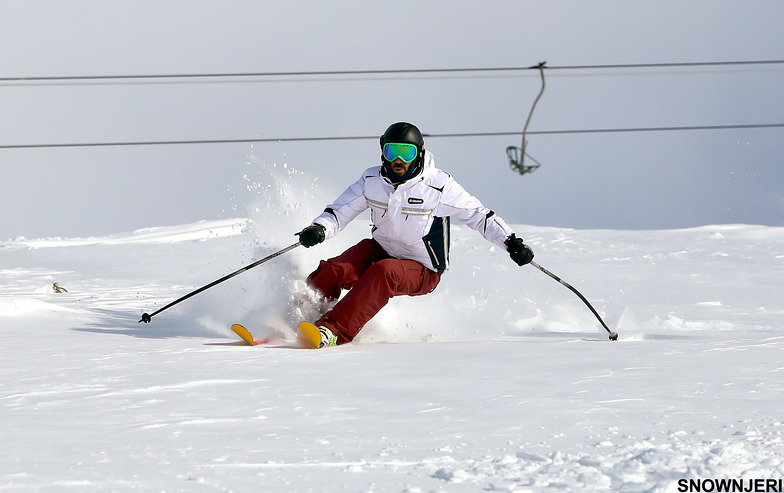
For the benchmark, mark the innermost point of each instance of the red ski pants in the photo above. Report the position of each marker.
(372, 278)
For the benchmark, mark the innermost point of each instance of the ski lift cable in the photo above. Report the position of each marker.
(313, 73)
(375, 137)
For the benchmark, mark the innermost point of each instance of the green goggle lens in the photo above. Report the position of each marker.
(406, 152)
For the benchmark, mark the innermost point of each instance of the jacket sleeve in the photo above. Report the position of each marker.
(458, 203)
(345, 208)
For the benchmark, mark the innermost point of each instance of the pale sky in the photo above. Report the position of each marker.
(635, 180)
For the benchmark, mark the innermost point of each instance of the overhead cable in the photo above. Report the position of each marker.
(205, 75)
(375, 137)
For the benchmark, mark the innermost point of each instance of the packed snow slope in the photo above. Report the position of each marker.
(501, 379)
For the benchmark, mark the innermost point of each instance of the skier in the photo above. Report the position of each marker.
(411, 203)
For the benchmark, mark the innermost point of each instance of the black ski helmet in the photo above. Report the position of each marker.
(403, 133)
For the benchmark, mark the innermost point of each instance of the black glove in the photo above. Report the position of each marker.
(312, 235)
(519, 251)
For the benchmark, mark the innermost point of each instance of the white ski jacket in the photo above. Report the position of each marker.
(411, 220)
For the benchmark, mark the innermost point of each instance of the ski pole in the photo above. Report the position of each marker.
(613, 335)
(147, 316)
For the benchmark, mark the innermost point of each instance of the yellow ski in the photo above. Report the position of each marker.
(309, 335)
(243, 333)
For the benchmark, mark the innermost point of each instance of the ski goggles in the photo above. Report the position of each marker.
(406, 152)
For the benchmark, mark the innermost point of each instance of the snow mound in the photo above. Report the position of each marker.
(18, 306)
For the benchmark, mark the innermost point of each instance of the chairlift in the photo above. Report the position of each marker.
(517, 155)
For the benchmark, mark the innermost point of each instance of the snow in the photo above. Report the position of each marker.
(501, 379)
